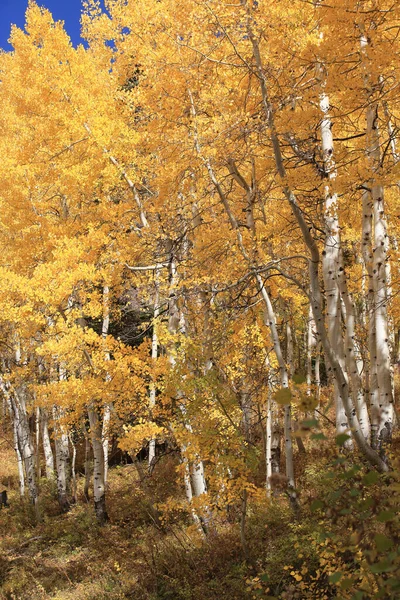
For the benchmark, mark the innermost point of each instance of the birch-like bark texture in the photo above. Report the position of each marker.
(37, 439)
(273, 441)
(270, 312)
(379, 258)
(73, 471)
(291, 370)
(351, 356)
(25, 444)
(284, 380)
(5, 388)
(331, 259)
(105, 434)
(154, 354)
(20, 464)
(18, 400)
(99, 489)
(311, 343)
(316, 298)
(88, 465)
(96, 435)
(371, 374)
(62, 459)
(47, 449)
(176, 323)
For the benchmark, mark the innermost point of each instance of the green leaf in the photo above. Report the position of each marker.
(318, 436)
(347, 583)
(358, 596)
(309, 423)
(384, 566)
(335, 577)
(316, 505)
(342, 438)
(382, 542)
(367, 503)
(370, 478)
(336, 495)
(385, 516)
(298, 378)
(283, 396)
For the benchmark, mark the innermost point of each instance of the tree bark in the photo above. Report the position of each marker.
(48, 452)
(384, 420)
(62, 460)
(99, 490)
(154, 354)
(316, 299)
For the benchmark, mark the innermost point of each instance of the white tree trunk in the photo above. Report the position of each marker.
(105, 434)
(379, 260)
(176, 323)
(73, 471)
(333, 361)
(99, 490)
(21, 474)
(5, 388)
(48, 452)
(311, 344)
(264, 294)
(372, 377)
(25, 444)
(154, 354)
(88, 466)
(62, 459)
(284, 380)
(331, 259)
(351, 356)
(37, 436)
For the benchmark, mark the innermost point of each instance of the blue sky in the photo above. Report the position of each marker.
(13, 11)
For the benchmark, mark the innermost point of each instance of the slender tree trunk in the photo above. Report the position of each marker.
(105, 434)
(372, 381)
(351, 356)
(154, 354)
(316, 298)
(24, 438)
(48, 452)
(25, 444)
(267, 302)
(289, 361)
(21, 474)
(73, 470)
(176, 323)
(5, 388)
(379, 259)
(99, 490)
(88, 466)
(62, 459)
(330, 262)
(284, 379)
(273, 442)
(37, 435)
(311, 343)
(317, 373)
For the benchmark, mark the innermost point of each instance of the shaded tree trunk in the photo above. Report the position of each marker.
(99, 491)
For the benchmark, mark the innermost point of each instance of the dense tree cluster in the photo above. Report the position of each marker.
(199, 242)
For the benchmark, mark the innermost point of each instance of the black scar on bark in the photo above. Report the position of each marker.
(4, 499)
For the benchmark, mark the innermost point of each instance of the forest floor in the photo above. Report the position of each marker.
(69, 557)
